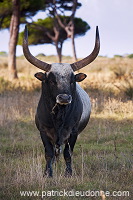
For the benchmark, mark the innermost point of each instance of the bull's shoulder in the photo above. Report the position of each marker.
(83, 95)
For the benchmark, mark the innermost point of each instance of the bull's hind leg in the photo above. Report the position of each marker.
(49, 155)
(68, 154)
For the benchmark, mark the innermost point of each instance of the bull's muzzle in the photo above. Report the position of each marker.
(63, 99)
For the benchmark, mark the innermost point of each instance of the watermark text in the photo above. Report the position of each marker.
(73, 193)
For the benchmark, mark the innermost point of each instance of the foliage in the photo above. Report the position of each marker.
(62, 6)
(38, 36)
(3, 53)
(118, 56)
(40, 55)
(81, 27)
(130, 56)
(5, 7)
(28, 8)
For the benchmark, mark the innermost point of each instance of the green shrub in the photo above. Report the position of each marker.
(130, 55)
(5, 85)
(40, 55)
(118, 56)
(3, 53)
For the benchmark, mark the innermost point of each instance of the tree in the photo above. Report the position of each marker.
(57, 9)
(51, 32)
(14, 30)
(12, 13)
(70, 26)
(42, 32)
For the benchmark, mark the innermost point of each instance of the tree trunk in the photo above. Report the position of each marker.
(59, 51)
(14, 30)
(73, 45)
(69, 28)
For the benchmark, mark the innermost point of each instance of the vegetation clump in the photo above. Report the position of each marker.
(130, 56)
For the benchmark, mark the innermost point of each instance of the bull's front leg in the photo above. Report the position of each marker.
(68, 154)
(49, 154)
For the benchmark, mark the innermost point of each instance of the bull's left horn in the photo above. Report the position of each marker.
(38, 63)
(82, 63)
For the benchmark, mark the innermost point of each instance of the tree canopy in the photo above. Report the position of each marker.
(28, 8)
(37, 32)
(61, 6)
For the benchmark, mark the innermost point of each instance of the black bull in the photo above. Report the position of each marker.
(64, 107)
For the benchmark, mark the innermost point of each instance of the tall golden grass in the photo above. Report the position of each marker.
(110, 76)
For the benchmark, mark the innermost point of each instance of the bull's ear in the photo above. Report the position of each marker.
(80, 77)
(40, 76)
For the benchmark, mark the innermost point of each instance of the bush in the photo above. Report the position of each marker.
(130, 56)
(118, 56)
(4, 85)
(41, 55)
(3, 53)
(119, 71)
(127, 88)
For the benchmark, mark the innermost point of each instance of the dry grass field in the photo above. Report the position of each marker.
(102, 158)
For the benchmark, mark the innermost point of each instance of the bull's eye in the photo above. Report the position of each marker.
(52, 83)
(72, 83)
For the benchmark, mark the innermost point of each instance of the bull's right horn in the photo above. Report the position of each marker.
(38, 63)
(82, 63)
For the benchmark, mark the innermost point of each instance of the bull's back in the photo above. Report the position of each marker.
(86, 107)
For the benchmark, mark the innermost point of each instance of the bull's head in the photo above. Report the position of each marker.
(59, 78)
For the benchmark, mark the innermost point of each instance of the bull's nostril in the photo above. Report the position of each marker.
(63, 99)
(63, 96)
(60, 97)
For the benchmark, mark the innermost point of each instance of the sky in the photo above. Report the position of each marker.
(114, 19)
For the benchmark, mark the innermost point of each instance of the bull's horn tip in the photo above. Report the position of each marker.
(26, 31)
(26, 27)
(97, 31)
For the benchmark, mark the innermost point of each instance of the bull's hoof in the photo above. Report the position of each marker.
(48, 173)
